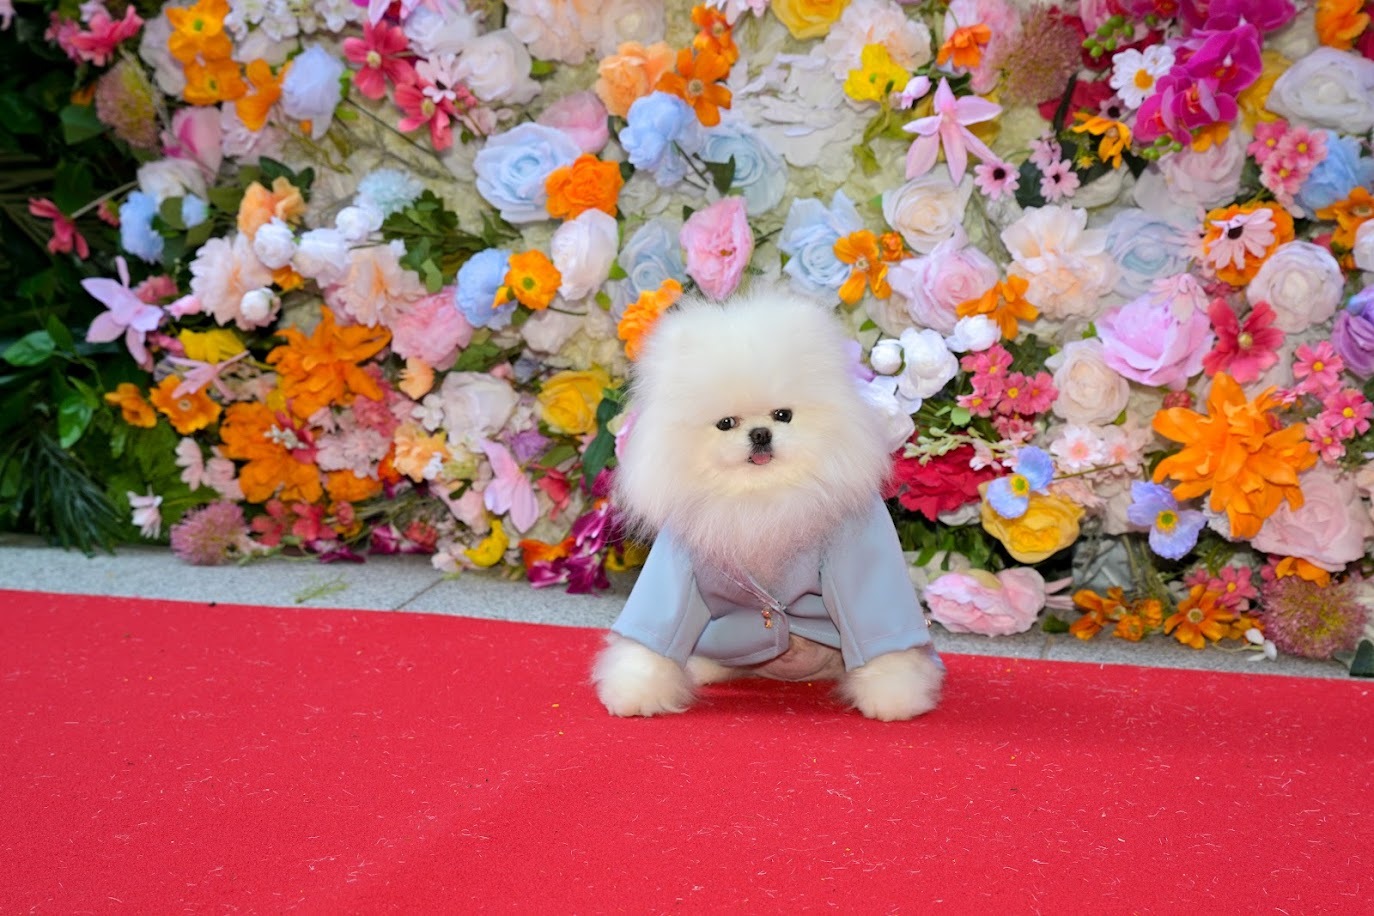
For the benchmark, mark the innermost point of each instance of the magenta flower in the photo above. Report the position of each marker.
(1317, 369)
(97, 43)
(718, 243)
(1243, 349)
(1348, 413)
(65, 239)
(381, 55)
(420, 110)
(128, 315)
(1324, 440)
(948, 127)
(1229, 59)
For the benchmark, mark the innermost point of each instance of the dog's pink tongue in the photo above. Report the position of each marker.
(761, 457)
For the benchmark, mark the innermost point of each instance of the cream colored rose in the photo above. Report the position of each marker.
(1327, 88)
(1090, 392)
(496, 67)
(1302, 283)
(927, 210)
(1067, 264)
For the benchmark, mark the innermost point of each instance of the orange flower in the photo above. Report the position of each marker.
(260, 205)
(1115, 136)
(1005, 304)
(198, 31)
(965, 46)
(714, 33)
(531, 279)
(1097, 611)
(587, 184)
(1340, 22)
(532, 551)
(861, 250)
(695, 82)
(276, 454)
(1239, 238)
(347, 487)
(1238, 452)
(1200, 617)
(214, 82)
(630, 74)
(893, 247)
(188, 412)
(1349, 215)
(253, 108)
(135, 410)
(639, 319)
(1297, 566)
(322, 370)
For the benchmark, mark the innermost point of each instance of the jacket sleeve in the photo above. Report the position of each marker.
(665, 610)
(868, 592)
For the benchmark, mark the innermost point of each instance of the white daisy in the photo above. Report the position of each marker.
(1134, 73)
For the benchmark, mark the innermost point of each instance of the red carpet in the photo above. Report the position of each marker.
(168, 757)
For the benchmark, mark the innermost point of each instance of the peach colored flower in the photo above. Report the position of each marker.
(631, 73)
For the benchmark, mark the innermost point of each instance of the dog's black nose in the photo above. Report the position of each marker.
(761, 436)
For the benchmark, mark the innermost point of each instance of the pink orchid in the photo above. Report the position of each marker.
(202, 373)
(95, 45)
(128, 315)
(379, 54)
(948, 127)
(510, 491)
(65, 239)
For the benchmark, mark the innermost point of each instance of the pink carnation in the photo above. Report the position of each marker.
(718, 243)
(430, 329)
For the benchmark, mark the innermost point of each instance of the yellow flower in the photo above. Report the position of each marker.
(492, 548)
(135, 410)
(808, 18)
(212, 346)
(878, 76)
(569, 399)
(1115, 136)
(1049, 524)
(1254, 97)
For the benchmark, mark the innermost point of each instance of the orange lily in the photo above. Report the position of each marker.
(695, 82)
(861, 250)
(1005, 304)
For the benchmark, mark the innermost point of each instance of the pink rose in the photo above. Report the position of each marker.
(1160, 338)
(933, 286)
(1328, 531)
(582, 117)
(196, 135)
(718, 244)
(976, 601)
(430, 329)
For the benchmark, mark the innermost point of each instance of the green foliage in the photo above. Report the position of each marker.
(436, 246)
(598, 455)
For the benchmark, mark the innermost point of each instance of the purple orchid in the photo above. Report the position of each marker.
(127, 315)
(510, 491)
(948, 127)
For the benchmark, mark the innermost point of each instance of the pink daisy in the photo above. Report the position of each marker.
(1045, 151)
(1058, 181)
(1040, 393)
(1317, 369)
(1243, 349)
(1242, 236)
(1324, 440)
(1303, 149)
(1348, 413)
(996, 179)
(1016, 396)
(977, 403)
(1267, 136)
(421, 110)
(1015, 431)
(994, 361)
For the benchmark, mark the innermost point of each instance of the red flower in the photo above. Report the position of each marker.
(1244, 349)
(380, 53)
(942, 484)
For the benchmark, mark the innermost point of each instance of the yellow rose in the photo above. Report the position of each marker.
(808, 18)
(1049, 525)
(213, 346)
(569, 399)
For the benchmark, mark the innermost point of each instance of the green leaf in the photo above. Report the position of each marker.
(61, 337)
(722, 173)
(541, 67)
(1363, 663)
(170, 212)
(73, 186)
(226, 198)
(617, 272)
(557, 455)
(595, 458)
(33, 349)
(431, 275)
(18, 115)
(1052, 624)
(73, 416)
(79, 124)
(959, 416)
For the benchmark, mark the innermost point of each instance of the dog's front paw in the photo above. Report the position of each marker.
(897, 685)
(633, 680)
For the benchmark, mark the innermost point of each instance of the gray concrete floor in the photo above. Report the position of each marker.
(410, 583)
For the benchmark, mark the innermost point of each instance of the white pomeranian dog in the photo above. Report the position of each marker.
(757, 466)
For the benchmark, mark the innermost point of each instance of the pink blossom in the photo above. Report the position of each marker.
(1324, 440)
(976, 601)
(1058, 181)
(1267, 137)
(995, 361)
(126, 314)
(97, 43)
(430, 329)
(996, 179)
(948, 128)
(1317, 369)
(1348, 413)
(718, 243)
(421, 110)
(582, 116)
(381, 54)
(1243, 349)
(65, 238)
(197, 135)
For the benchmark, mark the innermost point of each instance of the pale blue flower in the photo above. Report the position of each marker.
(650, 256)
(1173, 531)
(475, 293)
(808, 237)
(513, 167)
(136, 233)
(1033, 469)
(1337, 175)
(311, 89)
(388, 190)
(760, 173)
(659, 129)
(193, 211)
(1148, 248)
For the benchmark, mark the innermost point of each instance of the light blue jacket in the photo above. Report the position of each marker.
(851, 593)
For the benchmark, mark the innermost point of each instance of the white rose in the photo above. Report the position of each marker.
(1327, 88)
(322, 256)
(973, 334)
(357, 223)
(167, 178)
(311, 90)
(548, 331)
(257, 307)
(927, 210)
(1091, 393)
(496, 68)
(1364, 246)
(929, 364)
(441, 27)
(1302, 282)
(886, 357)
(583, 250)
(274, 244)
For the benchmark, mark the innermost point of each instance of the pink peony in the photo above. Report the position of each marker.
(976, 601)
(933, 286)
(582, 116)
(718, 243)
(1160, 338)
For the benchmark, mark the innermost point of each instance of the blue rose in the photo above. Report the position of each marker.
(659, 129)
(760, 173)
(1148, 248)
(475, 293)
(512, 168)
(136, 233)
(1337, 175)
(808, 238)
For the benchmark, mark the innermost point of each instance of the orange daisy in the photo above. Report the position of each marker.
(1199, 617)
(639, 319)
(587, 184)
(132, 407)
(531, 279)
(1239, 238)
(187, 412)
(965, 46)
(869, 270)
(695, 82)
(1005, 304)
(323, 369)
(1237, 451)
(274, 452)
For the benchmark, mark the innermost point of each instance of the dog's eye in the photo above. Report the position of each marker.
(726, 423)
(782, 415)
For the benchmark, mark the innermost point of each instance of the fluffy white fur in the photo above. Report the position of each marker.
(744, 360)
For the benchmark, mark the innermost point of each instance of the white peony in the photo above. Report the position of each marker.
(1302, 282)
